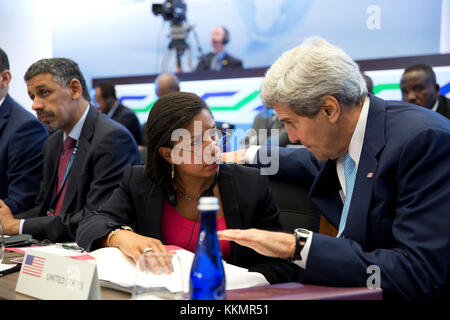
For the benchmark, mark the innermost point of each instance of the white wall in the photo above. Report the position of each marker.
(25, 36)
(445, 27)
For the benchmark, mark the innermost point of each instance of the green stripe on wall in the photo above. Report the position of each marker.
(238, 105)
(385, 86)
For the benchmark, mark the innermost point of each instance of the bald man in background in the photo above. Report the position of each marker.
(165, 83)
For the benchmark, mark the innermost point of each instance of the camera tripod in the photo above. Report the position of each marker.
(178, 46)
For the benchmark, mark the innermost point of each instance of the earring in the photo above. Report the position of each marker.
(173, 171)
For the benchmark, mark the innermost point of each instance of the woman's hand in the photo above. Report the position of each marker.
(133, 244)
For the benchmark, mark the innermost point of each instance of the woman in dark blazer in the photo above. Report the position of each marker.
(159, 201)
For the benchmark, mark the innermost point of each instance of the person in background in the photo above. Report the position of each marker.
(377, 170)
(219, 59)
(105, 95)
(156, 205)
(83, 160)
(267, 120)
(369, 83)
(419, 86)
(165, 83)
(22, 137)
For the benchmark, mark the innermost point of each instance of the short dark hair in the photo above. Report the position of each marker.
(107, 88)
(369, 83)
(4, 62)
(425, 68)
(226, 35)
(63, 71)
(170, 112)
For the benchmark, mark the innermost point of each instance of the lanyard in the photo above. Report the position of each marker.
(51, 210)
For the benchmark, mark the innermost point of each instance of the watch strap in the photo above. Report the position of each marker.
(301, 235)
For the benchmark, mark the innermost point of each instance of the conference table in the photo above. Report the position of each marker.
(284, 291)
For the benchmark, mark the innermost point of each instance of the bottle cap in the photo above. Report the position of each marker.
(208, 203)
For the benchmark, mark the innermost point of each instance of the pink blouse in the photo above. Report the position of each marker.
(177, 230)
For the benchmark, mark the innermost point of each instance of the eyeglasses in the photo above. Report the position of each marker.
(211, 137)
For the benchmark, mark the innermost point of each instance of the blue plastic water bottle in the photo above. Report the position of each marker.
(207, 279)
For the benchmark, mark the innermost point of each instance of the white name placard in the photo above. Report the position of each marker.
(48, 276)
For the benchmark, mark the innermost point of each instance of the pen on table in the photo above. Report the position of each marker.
(69, 247)
(10, 270)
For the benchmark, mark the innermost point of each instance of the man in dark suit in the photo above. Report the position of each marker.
(83, 160)
(377, 170)
(219, 59)
(419, 86)
(105, 94)
(21, 139)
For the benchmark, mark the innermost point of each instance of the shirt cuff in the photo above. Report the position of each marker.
(250, 155)
(21, 226)
(305, 252)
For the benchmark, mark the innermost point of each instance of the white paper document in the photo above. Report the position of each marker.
(4, 266)
(114, 267)
(53, 249)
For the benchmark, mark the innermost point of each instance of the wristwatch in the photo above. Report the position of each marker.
(301, 235)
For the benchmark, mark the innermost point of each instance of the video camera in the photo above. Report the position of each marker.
(171, 10)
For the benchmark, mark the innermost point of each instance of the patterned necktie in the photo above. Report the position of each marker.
(64, 159)
(350, 176)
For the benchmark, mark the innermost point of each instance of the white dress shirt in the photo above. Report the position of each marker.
(435, 106)
(355, 146)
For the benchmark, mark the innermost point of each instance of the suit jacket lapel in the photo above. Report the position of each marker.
(230, 206)
(5, 111)
(54, 146)
(227, 193)
(153, 212)
(374, 141)
(79, 162)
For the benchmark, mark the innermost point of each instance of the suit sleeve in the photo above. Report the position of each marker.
(112, 155)
(25, 166)
(118, 211)
(132, 123)
(203, 63)
(417, 266)
(294, 165)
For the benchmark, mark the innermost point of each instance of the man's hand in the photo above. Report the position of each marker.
(234, 157)
(10, 224)
(268, 243)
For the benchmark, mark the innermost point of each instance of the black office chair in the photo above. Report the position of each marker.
(296, 209)
(228, 127)
(224, 125)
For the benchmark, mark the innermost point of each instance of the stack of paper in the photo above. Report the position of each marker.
(115, 268)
